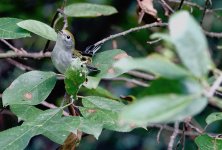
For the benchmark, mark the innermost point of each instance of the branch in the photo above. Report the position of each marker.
(37, 55)
(141, 75)
(19, 65)
(204, 11)
(188, 3)
(61, 11)
(54, 22)
(213, 34)
(48, 105)
(158, 135)
(10, 45)
(173, 136)
(167, 6)
(194, 128)
(181, 4)
(134, 81)
(156, 24)
(168, 128)
(215, 86)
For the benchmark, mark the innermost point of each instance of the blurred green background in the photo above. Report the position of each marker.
(88, 31)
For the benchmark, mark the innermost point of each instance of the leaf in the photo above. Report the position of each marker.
(39, 28)
(29, 88)
(206, 142)
(174, 86)
(92, 82)
(105, 60)
(25, 112)
(88, 10)
(191, 44)
(75, 76)
(213, 117)
(99, 91)
(105, 112)
(155, 64)
(18, 137)
(10, 30)
(101, 102)
(162, 109)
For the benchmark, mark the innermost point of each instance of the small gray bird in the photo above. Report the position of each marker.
(64, 52)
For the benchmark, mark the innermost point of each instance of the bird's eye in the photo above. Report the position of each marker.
(68, 37)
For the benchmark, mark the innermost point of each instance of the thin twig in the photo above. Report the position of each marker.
(187, 3)
(0, 95)
(134, 81)
(168, 128)
(154, 41)
(213, 34)
(52, 25)
(37, 55)
(19, 65)
(173, 136)
(158, 135)
(204, 11)
(167, 6)
(10, 45)
(48, 105)
(65, 20)
(194, 128)
(141, 75)
(181, 4)
(156, 24)
(215, 86)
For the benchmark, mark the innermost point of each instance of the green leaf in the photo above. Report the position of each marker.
(191, 44)
(25, 112)
(29, 88)
(162, 109)
(206, 142)
(10, 30)
(99, 91)
(213, 117)
(18, 137)
(155, 64)
(105, 112)
(105, 60)
(75, 76)
(50, 123)
(39, 28)
(101, 102)
(88, 10)
(92, 82)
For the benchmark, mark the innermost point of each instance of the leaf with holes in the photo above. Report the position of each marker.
(39, 28)
(75, 76)
(10, 30)
(88, 10)
(29, 88)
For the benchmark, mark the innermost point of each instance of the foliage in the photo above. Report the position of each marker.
(180, 86)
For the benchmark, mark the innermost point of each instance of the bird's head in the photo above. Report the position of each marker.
(66, 38)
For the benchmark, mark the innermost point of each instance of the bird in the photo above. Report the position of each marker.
(64, 53)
